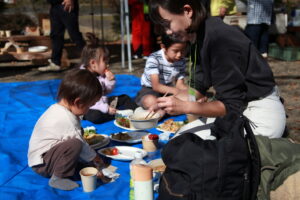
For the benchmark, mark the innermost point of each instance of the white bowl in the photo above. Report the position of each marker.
(139, 122)
(37, 49)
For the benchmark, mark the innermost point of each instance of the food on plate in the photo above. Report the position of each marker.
(110, 151)
(170, 125)
(159, 168)
(115, 151)
(121, 136)
(91, 137)
(123, 121)
(153, 137)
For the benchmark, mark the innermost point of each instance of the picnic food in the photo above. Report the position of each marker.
(91, 137)
(115, 151)
(171, 125)
(110, 151)
(153, 137)
(159, 168)
(123, 121)
(121, 136)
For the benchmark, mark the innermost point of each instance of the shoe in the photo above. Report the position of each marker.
(145, 57)
(51, 67)
(135, 57)
(264, 55)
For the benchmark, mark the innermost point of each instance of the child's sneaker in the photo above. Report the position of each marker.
(51, 67)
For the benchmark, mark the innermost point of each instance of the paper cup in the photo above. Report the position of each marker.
(88, 178)
(149, 145)
(191, 117)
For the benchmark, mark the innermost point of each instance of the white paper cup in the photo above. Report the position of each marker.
(88, 178)
(192, 117)
(149, 145)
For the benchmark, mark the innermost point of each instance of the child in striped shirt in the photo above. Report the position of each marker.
(164, 73)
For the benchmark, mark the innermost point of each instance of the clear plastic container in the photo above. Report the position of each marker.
(138, 159)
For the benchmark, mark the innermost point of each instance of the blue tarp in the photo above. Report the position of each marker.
(21, 104)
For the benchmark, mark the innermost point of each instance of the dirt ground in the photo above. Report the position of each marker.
(287, 76)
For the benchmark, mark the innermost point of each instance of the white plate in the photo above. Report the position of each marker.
(102, 143)
(126, 153)
(123, 127)
(157, 128)
(136, 136)
(37, 49)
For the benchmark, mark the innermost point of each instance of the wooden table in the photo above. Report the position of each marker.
(21, 44)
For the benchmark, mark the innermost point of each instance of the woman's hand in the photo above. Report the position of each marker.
(172, 105)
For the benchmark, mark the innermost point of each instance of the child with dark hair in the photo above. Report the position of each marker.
(56, 146)
(95, 58)
(164, 72)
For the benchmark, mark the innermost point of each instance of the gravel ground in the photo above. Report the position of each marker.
(287, 76)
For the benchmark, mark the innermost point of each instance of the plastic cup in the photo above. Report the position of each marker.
(89, 178)
(191, 117)
(149, 145)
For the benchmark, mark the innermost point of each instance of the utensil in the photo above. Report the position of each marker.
(154, 112)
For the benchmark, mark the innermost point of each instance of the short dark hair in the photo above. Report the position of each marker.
(168, 41)
(82, 84)
(176, 7)
(94, 49)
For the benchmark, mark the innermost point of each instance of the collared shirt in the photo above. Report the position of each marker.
(168, 72)
(259, 11)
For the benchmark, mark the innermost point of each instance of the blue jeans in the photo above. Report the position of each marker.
(259, 35)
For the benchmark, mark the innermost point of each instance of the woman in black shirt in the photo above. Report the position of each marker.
(226, 60)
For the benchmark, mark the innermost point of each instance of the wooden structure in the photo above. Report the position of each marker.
(14, 50)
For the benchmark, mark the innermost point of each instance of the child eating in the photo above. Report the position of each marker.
(56, 146)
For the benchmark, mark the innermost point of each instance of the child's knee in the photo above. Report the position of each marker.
(148, 101)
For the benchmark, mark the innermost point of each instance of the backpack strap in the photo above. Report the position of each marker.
(196, 129)
(255, 159)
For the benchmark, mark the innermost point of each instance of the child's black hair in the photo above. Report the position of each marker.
(82, 84)
(93, 50)
(168, 41)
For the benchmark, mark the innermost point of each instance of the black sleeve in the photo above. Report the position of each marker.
(226, 75)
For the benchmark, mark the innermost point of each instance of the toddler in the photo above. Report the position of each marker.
(95, 58)
(56, 146)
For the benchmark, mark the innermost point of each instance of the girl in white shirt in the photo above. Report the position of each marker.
(56, 145)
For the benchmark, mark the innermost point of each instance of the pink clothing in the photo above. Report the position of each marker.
(107, 87)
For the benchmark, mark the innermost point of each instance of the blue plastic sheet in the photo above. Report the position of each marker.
(21, 104)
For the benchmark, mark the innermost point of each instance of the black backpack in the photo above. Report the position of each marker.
(225, 168)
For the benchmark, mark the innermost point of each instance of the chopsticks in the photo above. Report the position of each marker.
(149, 115)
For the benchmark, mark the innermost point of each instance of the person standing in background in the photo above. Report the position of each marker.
(222, 7)
(259, 15)
(141, 29)
(63, 15)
